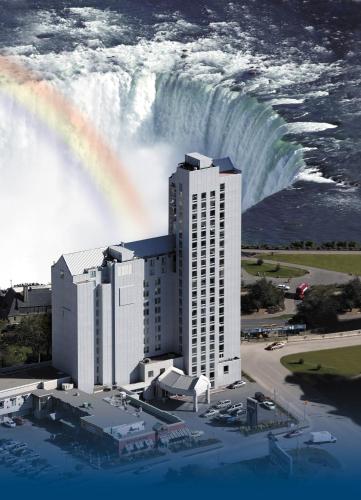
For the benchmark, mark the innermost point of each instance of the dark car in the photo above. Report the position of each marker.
(260, 397)
(19, 420)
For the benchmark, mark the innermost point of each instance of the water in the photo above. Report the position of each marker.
(223, 78)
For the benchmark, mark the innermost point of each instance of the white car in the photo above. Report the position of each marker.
(269, 405)
(223, 404)
(283, 286)
(197, 434)
(275, 345)
(235, 407)
(237, 384)
(211, 412)
(9, 423)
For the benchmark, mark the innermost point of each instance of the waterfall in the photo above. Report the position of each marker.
(219, 122)
(151, 117)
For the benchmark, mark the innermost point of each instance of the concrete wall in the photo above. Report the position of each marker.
(128, 320)
(64, 319)
(201, 238)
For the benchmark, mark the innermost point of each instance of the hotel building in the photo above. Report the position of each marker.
(161, 313)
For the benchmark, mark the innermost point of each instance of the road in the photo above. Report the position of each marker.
(315, 276)
(318, 252)
(266, 369)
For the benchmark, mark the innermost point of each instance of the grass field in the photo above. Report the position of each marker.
(269, 271)
(347, 263)
(345, 361)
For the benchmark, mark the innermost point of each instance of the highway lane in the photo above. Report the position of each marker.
(266, 369)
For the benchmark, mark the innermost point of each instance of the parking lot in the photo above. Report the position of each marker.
(216, 430)
(28, 451)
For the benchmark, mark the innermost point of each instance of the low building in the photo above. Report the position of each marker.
(15, 303)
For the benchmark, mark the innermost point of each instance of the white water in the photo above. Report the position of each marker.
(152, 107)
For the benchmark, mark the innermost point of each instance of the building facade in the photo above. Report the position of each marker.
(172, 300)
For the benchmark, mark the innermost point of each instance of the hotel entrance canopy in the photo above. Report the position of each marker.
(174, 381)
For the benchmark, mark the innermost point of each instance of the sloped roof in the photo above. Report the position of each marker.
(175, 381)
(77, 262)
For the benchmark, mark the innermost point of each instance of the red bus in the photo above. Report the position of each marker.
(301, 290)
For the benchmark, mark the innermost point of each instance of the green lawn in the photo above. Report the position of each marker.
(268, 270)
(348, 263)
(344, 361)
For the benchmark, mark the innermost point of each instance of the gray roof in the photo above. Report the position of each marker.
(225, 165)
(179, 381)
(152, 246)
(21, 376)
(38, 300)
(77, 262)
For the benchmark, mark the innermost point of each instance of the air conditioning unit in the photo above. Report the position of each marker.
(67, 386)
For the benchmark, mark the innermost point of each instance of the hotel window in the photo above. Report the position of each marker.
(221, 187)
(213, 194)
(194, 197)
(226, 369)
(204, 196)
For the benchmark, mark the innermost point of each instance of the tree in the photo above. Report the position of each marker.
(262, 294)
(14, 355)
(259, 262)
(35, 332)
(351, 295)
(319, 307)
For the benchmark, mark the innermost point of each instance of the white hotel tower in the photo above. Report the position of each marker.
(162, 312)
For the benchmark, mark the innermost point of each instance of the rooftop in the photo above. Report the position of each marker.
(196, 161)
(152, 247)
(77, 262)
(104, 409)
(23, 376)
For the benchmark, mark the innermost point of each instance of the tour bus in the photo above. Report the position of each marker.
(301, 290)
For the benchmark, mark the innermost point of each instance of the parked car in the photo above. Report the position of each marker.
(235, 407)
(294, 433)
(196, 434)
(260, 397)
(275, 345)
(269, 405)
(8, 422)
(321, 437)
(223, 404)
(243, 411)
(19, 420)
(237, 384)
(211, 412)
(222, 417)
(283, 286)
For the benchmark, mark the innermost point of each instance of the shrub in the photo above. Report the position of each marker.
(259, 262)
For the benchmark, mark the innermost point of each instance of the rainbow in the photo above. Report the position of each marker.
(98, 160)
